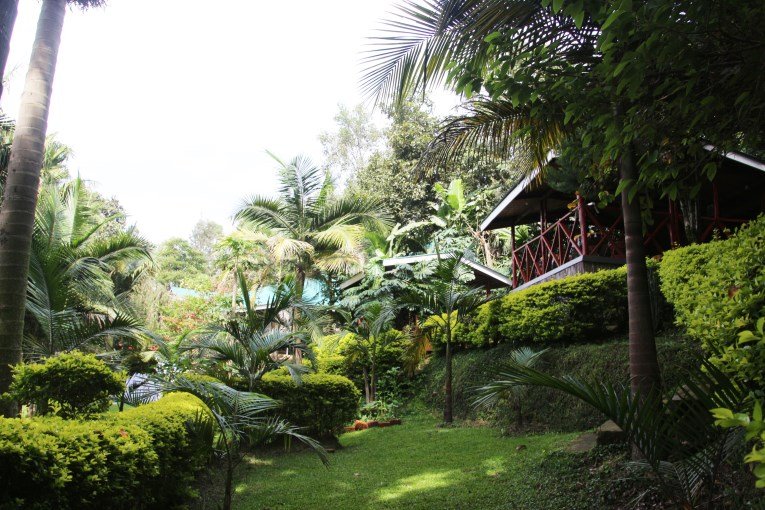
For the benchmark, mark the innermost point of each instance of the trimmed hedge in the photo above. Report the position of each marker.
(545, 409)
(142, 458)
(718, 290)
(72, 384)
(572, 309)
(322, 404)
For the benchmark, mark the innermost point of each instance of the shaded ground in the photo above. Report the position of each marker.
(413, 466)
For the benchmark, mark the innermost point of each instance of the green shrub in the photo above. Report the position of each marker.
(69, 385)
(580, 308)
(718, 290)
(545, 409)
(142, 458)
(339, 356)
(322, 403)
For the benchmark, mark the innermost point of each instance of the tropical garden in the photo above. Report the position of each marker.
(338, 345)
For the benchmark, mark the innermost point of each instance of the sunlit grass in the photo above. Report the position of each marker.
(416, 466)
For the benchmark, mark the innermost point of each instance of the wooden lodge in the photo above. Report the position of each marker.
(571, 235)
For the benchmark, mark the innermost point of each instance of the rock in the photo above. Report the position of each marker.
(610, 433)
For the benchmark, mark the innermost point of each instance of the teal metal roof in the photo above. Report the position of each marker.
(313, 293)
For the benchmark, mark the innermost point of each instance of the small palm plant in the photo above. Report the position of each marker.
(365, 326)
(257, 340)
(445, 300)
(237, 415)
(675, 435)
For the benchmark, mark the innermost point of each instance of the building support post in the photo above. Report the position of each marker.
(512, 255)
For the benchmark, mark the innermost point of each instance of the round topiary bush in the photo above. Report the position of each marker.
(322, 403)
(69, 385)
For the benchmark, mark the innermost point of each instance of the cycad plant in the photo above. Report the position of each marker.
(489, 395)
(674, 434)
(256, 340)
(72, 297)
(307, 228)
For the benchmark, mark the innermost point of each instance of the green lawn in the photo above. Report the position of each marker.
(413, 466)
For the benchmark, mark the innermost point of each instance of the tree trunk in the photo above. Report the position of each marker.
(367, 392)
(20, 197)
(644, 364)
(373, 381)
(8, 11)
(448, 418)
(299, 285)
(690, 209)
(229, 480)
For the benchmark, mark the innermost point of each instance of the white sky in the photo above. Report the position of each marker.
(170, 105)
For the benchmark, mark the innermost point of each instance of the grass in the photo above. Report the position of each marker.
(413, 466)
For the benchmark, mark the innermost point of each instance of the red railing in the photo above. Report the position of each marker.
(563, 241)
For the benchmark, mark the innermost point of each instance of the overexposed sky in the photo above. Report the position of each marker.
(170, 105)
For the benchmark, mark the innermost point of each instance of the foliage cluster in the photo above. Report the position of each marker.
(718, 291)
(321, 403)
(572, 309)
(144, 457)
(69, 385)
(545, 409)
(343, 357)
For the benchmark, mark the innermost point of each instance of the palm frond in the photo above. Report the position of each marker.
(498, 129)
(261, 212)
(678, 439)
(448, 41)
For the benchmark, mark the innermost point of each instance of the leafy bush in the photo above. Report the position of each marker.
(69, 385)
(322, 403)
(718, 290)
(142, 458)
(544, 409)
(338, 355)
(572, 309)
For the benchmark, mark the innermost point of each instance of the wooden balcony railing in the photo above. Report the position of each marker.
(585, 231)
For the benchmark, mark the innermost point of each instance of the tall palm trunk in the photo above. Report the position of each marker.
(8, 11)
(448, 403)
(367, 387)
(20, 196)
(300, 277)
(644, 364)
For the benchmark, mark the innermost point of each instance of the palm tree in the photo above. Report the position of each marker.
(240, 252)
(17, 215)
(307, 227)
(8, 11)
(79, 280)
(256, 340)
(366, 326)
(430, 41)
(445, 301)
